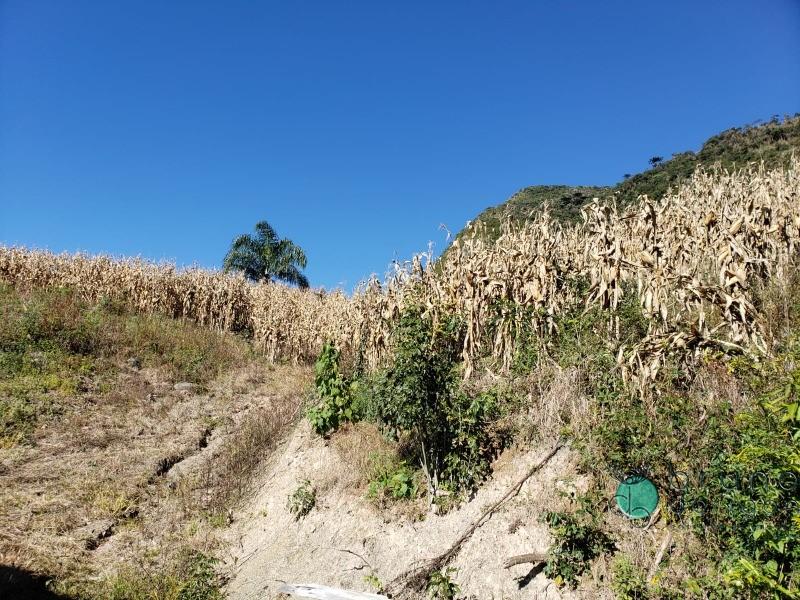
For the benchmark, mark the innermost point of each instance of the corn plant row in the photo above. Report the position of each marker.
(694, 259)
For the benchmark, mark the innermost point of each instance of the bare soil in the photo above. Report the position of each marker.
(346, 540)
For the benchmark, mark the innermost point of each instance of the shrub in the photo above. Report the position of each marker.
(334, 393)
(577, 540)
(441, 585)
(748, 502)
(419, 394)
(302, 500)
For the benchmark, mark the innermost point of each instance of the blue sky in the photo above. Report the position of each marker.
(163, 129)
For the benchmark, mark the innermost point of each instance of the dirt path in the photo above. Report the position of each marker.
(345, 539)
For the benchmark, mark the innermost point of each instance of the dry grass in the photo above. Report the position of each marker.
(226, 476)
(554, 401)
(360, 445)
(125, 469)
(50, 490)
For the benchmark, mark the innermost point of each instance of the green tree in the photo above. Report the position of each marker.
(265, 256)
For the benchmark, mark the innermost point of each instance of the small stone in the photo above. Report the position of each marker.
(183, 386)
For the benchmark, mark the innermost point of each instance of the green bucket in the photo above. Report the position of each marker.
(637, 497)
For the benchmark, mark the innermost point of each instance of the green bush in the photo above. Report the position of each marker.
(451, 433)
(748, 501)
(740, 491)
(334, 393)
(577, 540)
(472, 439)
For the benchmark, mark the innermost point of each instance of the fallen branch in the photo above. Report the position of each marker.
(654, 516)
(534, 558)
(411, 583)
(666, 543)
(357, 555)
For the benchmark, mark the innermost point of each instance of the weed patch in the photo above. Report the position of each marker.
(191, 577)
(302, 500)
(392, 479)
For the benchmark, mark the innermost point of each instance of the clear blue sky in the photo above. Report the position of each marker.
(165, 128)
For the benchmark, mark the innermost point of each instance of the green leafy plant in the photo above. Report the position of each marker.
(628, 582)
(419, 395)
(392, 479)
(441, 585)
(374, 582)
(577, 540)
(302, 500)
(334, 393)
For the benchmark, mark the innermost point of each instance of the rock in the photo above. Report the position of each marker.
(134, 363)
(94, 531)
(183, 386)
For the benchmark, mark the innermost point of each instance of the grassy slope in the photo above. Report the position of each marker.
(771, 142)
(90, 425)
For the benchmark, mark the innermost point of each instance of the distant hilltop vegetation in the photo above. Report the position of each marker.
(772, 142)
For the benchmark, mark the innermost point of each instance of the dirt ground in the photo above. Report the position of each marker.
(345, 541)
(132, 477)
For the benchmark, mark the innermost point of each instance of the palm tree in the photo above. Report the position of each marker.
(265, 256)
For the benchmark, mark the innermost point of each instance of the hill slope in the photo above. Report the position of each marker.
(772, 142)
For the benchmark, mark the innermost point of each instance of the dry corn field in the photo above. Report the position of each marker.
(695, 259)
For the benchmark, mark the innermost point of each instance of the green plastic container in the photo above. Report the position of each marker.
(637, 497)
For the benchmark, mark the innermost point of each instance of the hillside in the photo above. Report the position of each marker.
(154, 426)
(772, 142)
(124, 441)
